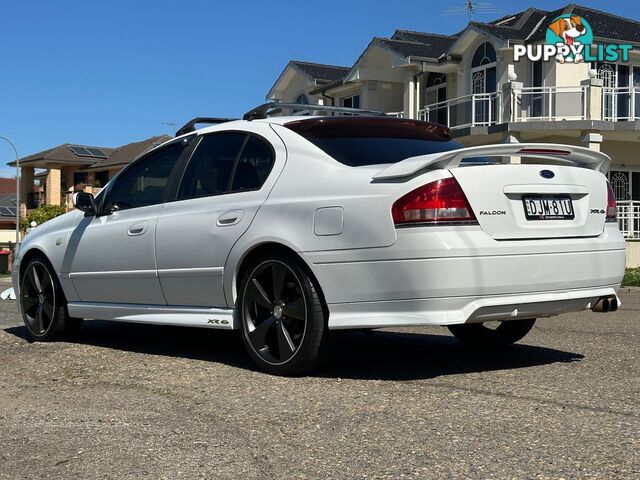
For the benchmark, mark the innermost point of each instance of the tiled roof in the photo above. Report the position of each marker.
(438, 43)
(604, 25)
(530, 24)
(115, 156)
(129, 152)
(321, 72)
(64, 154)
(407, 48)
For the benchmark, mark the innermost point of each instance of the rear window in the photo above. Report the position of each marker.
(360, 141)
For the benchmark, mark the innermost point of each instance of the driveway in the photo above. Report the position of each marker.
(133, 401)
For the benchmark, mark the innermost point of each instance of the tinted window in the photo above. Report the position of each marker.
(210, 168)
(224, 163)
(359, 151)
(144, 182)
(254, 165)
(360, 141)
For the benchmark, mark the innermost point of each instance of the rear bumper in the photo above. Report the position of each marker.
(455, 310)
(434, 276)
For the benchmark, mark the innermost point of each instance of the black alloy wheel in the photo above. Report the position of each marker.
(282, 316)
(43, 303)
(275, 312)
(38, 299)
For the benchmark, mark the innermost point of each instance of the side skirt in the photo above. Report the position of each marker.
(222, 318)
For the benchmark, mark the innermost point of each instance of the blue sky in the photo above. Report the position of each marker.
(108, 73)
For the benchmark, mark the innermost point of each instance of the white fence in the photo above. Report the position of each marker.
(629, 218)
(478, 109)
(7, 236)
(621, 103)
(549, 104)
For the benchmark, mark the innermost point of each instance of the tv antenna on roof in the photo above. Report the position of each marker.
(472, 8)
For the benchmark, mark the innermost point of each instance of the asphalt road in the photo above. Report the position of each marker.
(130, 401)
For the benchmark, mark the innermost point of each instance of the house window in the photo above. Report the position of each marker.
(351, 102)
(435, 94)
(625, 185)
(483, 69)
(483, 80)
(534, 104)
(621, 96)
(301, 99)
(79, 181)
(102, 178)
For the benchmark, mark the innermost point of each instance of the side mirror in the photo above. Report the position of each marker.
(85, 202)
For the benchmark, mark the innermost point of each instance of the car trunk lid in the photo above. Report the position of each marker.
(527, 201)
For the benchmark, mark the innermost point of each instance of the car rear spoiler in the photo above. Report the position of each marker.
(546, 152)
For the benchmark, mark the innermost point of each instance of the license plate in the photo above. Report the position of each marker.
(555, 207)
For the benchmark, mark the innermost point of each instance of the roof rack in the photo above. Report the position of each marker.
(190, 126)
(266, 109)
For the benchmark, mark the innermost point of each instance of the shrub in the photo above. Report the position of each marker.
(41, 215)
(631, 277)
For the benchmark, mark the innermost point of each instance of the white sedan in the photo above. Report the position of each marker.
(289, 227)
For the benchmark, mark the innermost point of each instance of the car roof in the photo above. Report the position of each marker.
(338, 121)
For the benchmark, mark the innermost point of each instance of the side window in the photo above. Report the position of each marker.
(144, 182)
(219, 166)
(210, 168)
(254, 166)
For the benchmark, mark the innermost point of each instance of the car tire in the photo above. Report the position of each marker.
(282, 315)
(479, 335)
(43, 304)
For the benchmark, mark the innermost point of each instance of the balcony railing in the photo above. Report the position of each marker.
(622, 103)
(478, 109)
(529, 104)
(549, 104)
(629, 218)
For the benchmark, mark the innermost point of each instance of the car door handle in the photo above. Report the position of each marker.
(232, 217)
(137, 229)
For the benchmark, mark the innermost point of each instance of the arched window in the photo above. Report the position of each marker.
(483, 69)
(485, 54)
(434, 79)
(302, 99)
(620, 185)
(483, 81)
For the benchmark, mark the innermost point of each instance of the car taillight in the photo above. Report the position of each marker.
(442, 201)
(612, 208)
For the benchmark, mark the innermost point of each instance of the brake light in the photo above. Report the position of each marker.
(612, 208)
(442, 201)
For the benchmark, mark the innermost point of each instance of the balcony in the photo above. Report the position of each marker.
(629, 218)
(478, 109)
(619, 104)
(528, 104)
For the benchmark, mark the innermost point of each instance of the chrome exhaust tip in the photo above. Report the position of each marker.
(606, 304)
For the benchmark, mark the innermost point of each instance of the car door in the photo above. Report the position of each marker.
(111, 255)
(226, 180)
